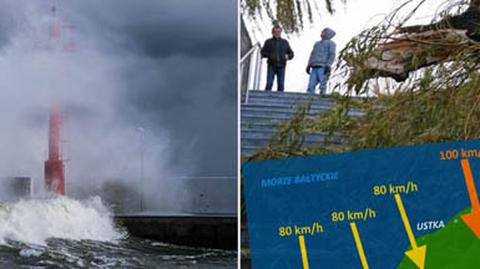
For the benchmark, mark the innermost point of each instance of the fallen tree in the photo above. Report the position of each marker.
(396, 51)
(403, 54)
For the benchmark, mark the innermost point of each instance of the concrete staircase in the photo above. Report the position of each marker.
(265, 111)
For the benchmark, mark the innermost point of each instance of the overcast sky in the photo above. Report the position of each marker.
(177, 61)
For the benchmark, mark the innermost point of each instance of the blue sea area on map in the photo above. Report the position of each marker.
(441, 195)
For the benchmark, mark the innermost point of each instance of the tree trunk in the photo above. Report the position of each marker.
(475, 4)
(414, 47)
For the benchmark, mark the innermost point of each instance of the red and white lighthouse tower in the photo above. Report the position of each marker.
(54, 166)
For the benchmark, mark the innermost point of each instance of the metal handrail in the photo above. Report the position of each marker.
(249, 52)
(255, 68)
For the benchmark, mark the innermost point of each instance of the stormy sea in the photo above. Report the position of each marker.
(61, 232)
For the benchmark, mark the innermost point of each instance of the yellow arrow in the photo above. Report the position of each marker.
(417, 254)
(358, 242)
(303, 251)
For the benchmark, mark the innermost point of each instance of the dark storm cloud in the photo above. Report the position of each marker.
(182, 77)
(205, 28)
(156, 43)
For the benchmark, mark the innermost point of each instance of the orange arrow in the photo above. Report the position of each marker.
(472, 219)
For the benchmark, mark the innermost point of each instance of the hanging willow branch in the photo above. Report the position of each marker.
(292, 15)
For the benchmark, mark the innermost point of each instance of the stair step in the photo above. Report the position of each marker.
(277, 116)
(276, 113)
(287, 102)
(266, 118)
(290, 95)
(275, 94)
(283, 108)
(250, 146)
(259, 125)
(254, 134)
(260, 143)
(249, 150)
(298, 97)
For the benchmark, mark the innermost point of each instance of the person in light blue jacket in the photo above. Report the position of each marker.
(321, 60)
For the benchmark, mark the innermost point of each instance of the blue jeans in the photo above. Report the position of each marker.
(317, 75)
(279, 71)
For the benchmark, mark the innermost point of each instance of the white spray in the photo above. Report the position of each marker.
(34, 221)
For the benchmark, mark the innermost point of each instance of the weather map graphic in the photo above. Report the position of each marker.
(406, 207)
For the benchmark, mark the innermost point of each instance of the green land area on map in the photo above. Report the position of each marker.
(453, 247)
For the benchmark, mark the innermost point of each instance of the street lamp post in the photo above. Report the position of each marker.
(142, 153)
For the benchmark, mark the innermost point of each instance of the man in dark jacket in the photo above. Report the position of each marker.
(321, 60)
(277, 51)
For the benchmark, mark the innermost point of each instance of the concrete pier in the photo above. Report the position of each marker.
(196, 230)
